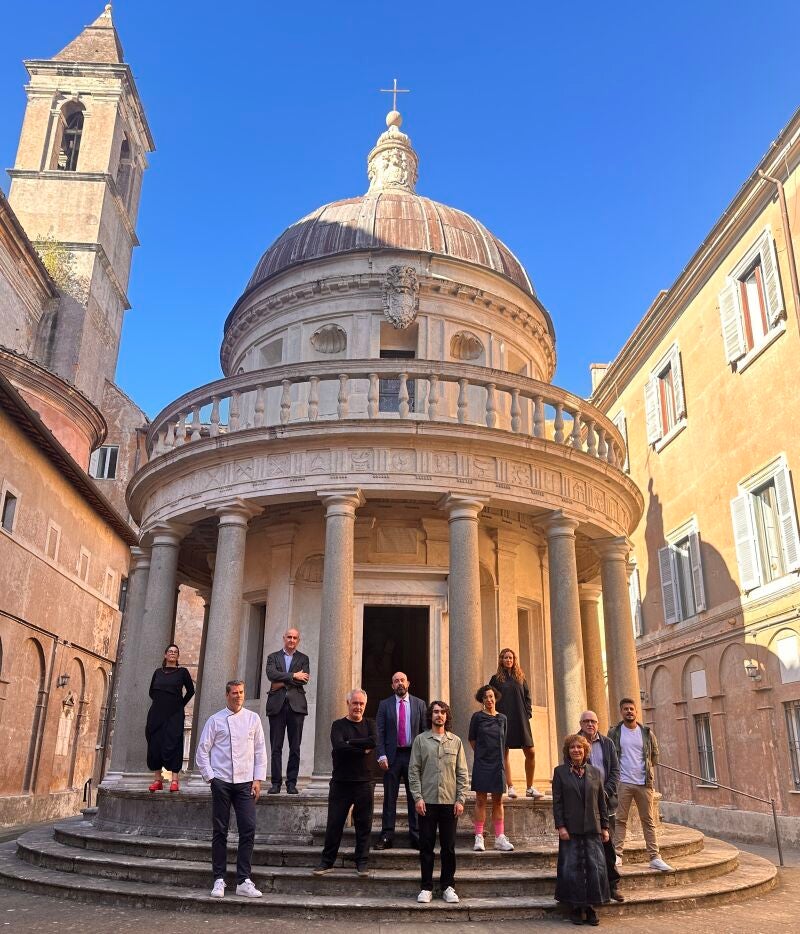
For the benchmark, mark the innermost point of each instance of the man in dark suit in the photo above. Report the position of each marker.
(287, 708)
(400, 719)
(605, 759)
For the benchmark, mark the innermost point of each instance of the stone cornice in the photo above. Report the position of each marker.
(244, 317)
(748, 203)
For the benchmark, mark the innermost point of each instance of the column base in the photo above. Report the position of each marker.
(128, 781)
(318, 785)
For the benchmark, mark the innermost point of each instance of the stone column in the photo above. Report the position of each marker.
(127, 730)
(221, 654)
(565, 625)
(205, 595)
(464, 597)
(335, 661)
(593, 654)
(623, 675)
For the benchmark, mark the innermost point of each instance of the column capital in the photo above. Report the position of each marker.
(341, 502)
(165, 533)
(462, 505)
(590, 593)
(612, 549)
(236, 511)
(559, 525)
(140, 558)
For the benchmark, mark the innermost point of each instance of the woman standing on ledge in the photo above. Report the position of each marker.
(171, 689)
(487, 736)
(514, 700)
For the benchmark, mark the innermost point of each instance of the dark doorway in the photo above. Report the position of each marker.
(395, 639)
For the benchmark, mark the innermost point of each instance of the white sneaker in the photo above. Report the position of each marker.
(533, 793)
(479, 844)
(425, 896)
(660, 865)
(449, 895)
(501, 842)
(510, 792)
(219, 889)
(618, 861)
(247, 889)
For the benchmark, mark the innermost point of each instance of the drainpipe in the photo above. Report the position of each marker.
(787, 234)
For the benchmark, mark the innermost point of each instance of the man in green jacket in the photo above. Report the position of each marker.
(637, 749)
(438, 776)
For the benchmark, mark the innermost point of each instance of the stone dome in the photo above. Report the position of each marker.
(391, 215)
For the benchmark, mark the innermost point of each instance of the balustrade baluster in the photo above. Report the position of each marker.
(261, 406)
(516, 411)
(402, 396)
(286, 400)
(313, 398)
(180, 431)
(591, 437)
(214, 429)
(195, 424)
(538, 417)
(433, 397)
(558, 424)
(602, 447)
(614, 455)
(233, 417)
(373, 395)
(463, 386)
(169, 439)
(344, 397)
(161, 442)
(575, 434)
(491, 405)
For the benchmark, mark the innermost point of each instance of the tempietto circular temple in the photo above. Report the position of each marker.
(387, 467)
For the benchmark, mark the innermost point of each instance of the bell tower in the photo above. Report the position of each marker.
(75, 188)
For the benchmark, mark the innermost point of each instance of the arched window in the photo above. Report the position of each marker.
(70, 142)
(124, 171)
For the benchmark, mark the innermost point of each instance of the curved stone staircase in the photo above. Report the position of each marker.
(80, 861)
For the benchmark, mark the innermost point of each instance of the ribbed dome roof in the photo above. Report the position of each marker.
(390, 216)
(389, 219)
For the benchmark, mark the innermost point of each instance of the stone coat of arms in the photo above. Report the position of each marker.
(401, 295)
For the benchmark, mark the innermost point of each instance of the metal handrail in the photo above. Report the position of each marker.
(737, 791)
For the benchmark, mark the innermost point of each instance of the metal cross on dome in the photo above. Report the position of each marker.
(394, 91)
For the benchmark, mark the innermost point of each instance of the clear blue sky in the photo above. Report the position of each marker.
(600, 141)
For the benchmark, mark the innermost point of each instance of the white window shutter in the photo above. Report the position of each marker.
(744, 538)
(93, 462)
(731, 313)
(697, 571)
(677, 382)
(772, 283)
(788, 519)
(636, 603)
(622, 425)
(652, 410)
(667, 585)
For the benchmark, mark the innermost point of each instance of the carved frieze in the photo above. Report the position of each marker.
(400, 296)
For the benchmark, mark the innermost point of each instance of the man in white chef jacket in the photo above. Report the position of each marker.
(232, 757)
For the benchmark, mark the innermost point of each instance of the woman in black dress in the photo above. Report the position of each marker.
(487, 736)
(171, 689)
(509, 681)
(581, 818)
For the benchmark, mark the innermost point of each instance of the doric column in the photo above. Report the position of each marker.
(335, 662)
(205, 595)
(593, 653)
(464, 599)
(221, 654)
(565, 625)
(127, 731)
(623, 676)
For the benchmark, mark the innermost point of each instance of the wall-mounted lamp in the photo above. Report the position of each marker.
(752, 669)
(62, 681)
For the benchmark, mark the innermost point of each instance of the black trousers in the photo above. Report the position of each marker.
(396, 773)
(439, 816)
(341, 797)
(281, 723)
(611, 855)
(223, 796)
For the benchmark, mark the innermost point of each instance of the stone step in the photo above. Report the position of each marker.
(675, 842)
(494, 877)
(752, 876)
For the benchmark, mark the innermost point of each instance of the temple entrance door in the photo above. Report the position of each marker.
(395, 639)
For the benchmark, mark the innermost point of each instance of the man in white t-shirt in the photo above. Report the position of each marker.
(637, 749)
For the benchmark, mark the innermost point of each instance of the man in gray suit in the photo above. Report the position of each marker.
(287, 708)
(400, 719)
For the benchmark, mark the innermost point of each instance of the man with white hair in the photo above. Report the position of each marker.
(352, 739)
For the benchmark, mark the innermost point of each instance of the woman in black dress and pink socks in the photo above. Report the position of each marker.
(171, 689)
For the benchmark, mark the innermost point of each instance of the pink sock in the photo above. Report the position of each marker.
(479, 826)
(499, 827)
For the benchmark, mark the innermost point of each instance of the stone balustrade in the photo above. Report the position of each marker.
(419, 390)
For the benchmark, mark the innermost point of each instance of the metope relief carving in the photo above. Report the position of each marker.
(401, 295)
(330, 338)
(445, 463)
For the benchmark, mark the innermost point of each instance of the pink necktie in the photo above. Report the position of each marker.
(401, 725)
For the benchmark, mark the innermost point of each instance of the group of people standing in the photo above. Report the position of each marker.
(593, 788)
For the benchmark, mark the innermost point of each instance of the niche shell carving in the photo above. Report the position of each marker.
(330, 338)
(401, 296)
(465, 346)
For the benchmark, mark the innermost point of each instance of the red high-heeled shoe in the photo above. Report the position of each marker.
(157, 786)
(174, 786)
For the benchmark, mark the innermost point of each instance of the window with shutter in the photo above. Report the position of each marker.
(744, 540)
(665, 400)
(683, 560)
(636, 603)
(667, 586)
(697, 571)
(621, 424)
